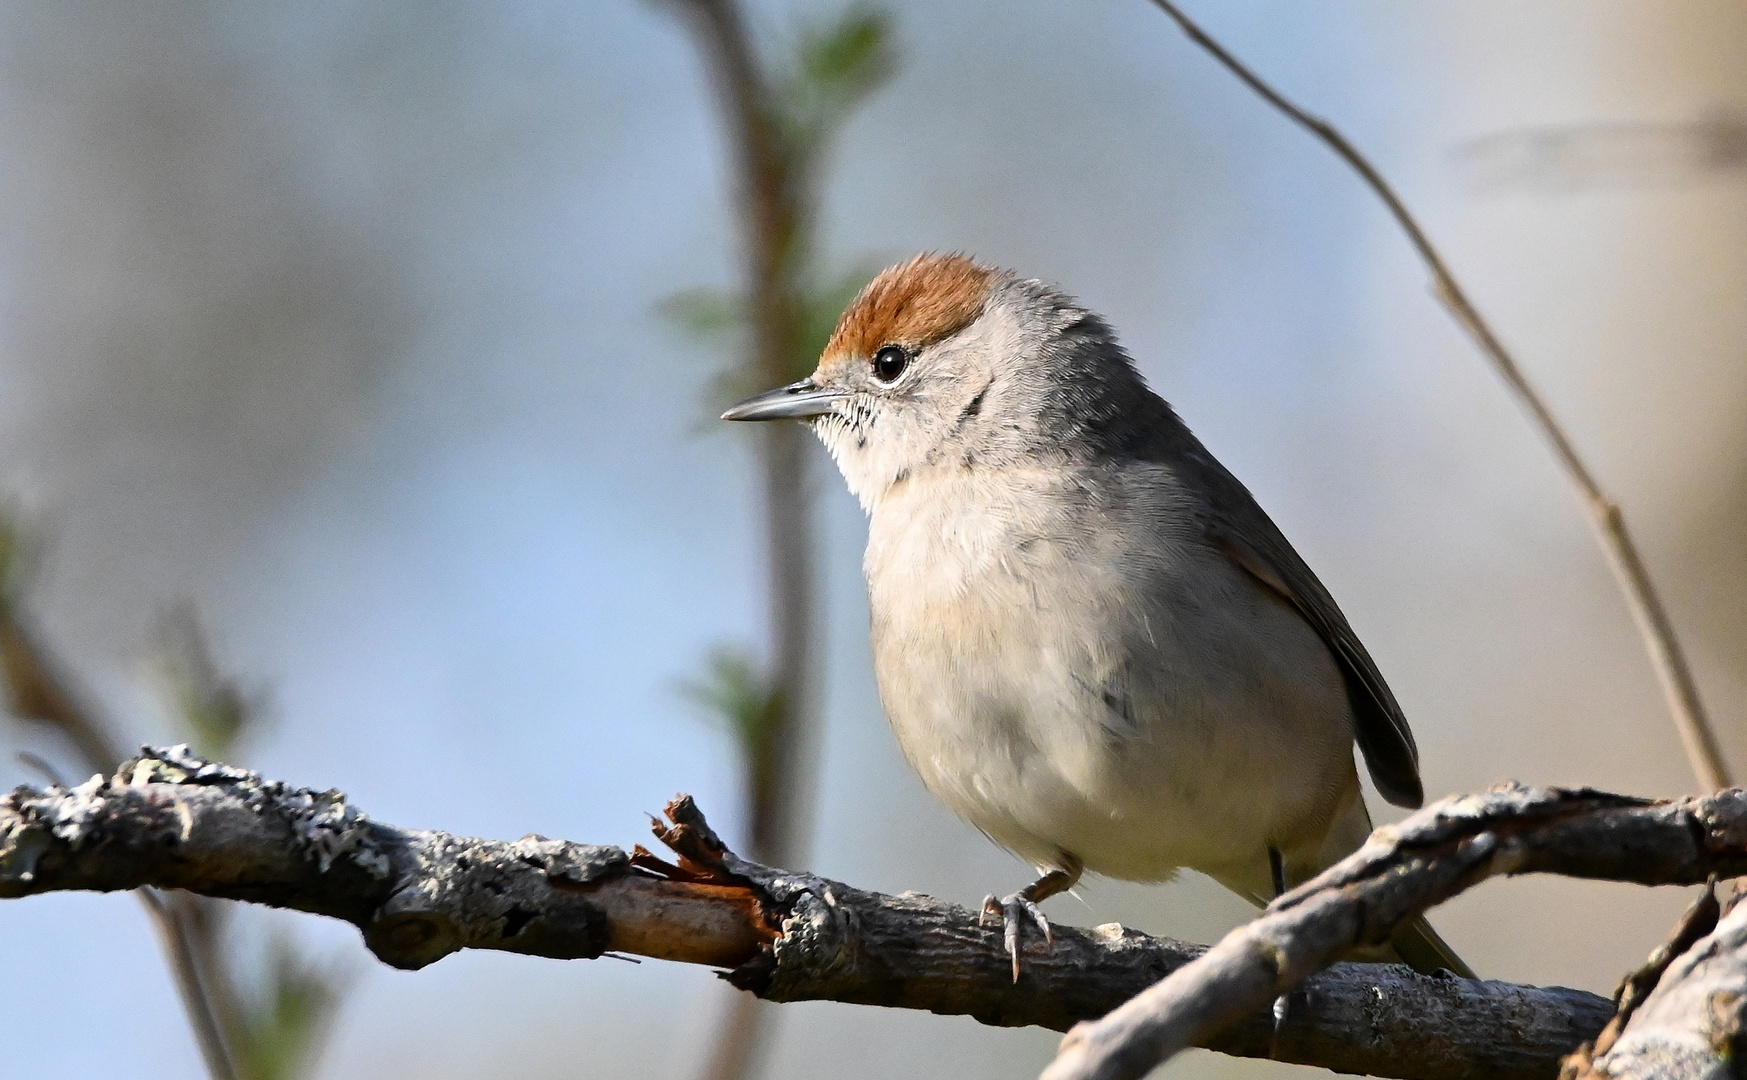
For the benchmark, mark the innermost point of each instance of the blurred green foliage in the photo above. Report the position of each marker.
(734, 692)
(18, 552)
(745, 702)
(287, 1015)
(834, 68)
(716, 319)
(277, 1011)
(831, 68)
(213, 710)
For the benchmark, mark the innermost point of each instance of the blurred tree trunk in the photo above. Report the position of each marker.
(770, 206)
(778, 120)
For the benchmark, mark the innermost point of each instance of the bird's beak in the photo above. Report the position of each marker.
(796, 400)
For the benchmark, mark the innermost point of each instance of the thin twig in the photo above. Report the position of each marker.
(1654, 626)
(175, 821)
(773, 201)
(176, 938)
(1697, 922)
(38, 691)
(1692, 1023)
(42, 766)
(1400, 872)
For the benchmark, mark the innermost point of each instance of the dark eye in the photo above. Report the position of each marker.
(889, 363)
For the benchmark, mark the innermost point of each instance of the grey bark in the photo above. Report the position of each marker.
(171, 820)
(1684, 1016)
(1404, 869)
(35, 689)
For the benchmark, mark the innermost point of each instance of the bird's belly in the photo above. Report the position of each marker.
(1047, 779)
(1061, 709)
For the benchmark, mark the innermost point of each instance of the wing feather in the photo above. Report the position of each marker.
(1237, 525)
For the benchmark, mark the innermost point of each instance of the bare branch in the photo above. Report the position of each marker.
(1404, 869)
(174, 821)
(1697, 922)
(1654, 626)
(1694, 1024)
(38, 691)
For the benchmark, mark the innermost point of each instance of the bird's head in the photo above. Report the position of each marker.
(943, 363)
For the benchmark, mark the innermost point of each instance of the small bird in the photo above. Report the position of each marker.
(1091, 642)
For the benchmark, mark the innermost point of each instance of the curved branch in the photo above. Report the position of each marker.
(1694, 1022)
(1654, 627)
(172, 820)
(36, 689)
(775, 206)
(1403, 870)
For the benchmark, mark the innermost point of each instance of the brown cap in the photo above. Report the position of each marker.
(914, 304)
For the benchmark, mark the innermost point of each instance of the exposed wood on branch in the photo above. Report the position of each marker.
(1693, 1024)
(174, 821)
(1403, 870)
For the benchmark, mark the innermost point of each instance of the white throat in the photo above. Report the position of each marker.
(883, 443)
(871, 461)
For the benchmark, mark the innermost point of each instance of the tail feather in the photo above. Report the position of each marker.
(1421, 949)
(1416, 944)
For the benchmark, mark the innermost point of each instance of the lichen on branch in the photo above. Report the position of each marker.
(172, 820)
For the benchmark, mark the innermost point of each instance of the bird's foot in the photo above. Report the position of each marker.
(1014, 911)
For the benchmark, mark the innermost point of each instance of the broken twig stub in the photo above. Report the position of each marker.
(171, 820)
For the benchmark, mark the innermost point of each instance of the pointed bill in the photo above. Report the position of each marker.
(794, 401)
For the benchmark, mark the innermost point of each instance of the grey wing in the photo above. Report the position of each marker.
(1243, 530)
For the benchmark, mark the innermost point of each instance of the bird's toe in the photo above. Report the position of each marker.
(1014, 912)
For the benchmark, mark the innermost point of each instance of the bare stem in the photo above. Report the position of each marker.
(1648, 612)
(177, 939)
(38, 691)
(171, 820)
(738, 1040)
(774, 208)
(1402, 870)
(774, 205)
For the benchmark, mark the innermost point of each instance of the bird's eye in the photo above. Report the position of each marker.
(889, 363)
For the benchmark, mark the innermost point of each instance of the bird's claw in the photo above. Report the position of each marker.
(1013, 911)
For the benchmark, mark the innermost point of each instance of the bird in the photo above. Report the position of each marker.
(1091, 642)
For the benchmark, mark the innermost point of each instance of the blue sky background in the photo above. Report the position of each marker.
(341, 324)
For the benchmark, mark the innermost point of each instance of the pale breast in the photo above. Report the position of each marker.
(1070, 669)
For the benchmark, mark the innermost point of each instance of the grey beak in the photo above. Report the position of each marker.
(797, 399)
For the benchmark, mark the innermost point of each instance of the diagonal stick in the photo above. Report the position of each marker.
(1609, 522)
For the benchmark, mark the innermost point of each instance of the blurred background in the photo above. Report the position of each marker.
(342, 324)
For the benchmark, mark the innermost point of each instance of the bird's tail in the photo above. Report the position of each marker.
(1416, 944)
(1421, 949)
